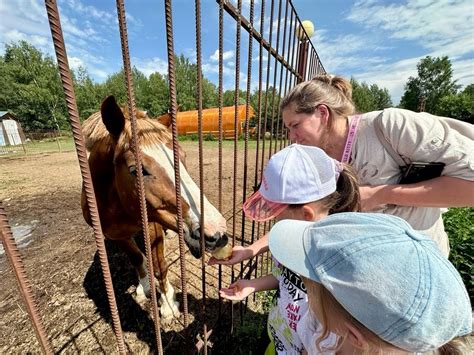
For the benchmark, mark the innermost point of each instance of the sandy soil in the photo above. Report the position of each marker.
(64, 270)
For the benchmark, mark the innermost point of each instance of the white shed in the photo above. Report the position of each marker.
(10, 130)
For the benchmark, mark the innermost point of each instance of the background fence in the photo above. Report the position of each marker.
(270, 31)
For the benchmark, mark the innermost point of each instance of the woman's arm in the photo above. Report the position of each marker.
(241, 289)
(443, 191)
(240, 253)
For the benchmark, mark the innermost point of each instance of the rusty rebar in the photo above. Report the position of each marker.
(259, 125)
(140, 183)
(174, 129)
(220, 103)
(66, 79)
(281, 79)
(13, 255)
(247, 109)
(232, 11)
(275, 71)
(236, 132)
(197, 6)
(267, 82)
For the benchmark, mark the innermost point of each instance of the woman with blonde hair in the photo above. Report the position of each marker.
(382, 146)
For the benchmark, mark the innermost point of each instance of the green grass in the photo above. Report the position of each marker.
(459, 224)
(43, 146)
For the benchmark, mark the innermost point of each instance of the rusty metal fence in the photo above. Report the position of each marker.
(273, 52)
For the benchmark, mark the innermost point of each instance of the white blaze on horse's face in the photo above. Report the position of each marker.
(214, 222)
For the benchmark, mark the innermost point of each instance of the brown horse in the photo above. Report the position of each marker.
(114, 174)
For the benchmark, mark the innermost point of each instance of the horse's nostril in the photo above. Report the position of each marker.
(221, 240)
(196, 234)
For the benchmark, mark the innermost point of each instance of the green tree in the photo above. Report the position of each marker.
(115, 85)
(89, 95)
(209, 94)
(381, 97)
(228, 97)
(31, 88)
(269, 103)
(186, 76)
(186, 86)
(434, 81)
(369, 98)
(459, 106)
(157, 96)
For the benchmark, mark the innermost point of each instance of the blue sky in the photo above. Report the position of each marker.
(374, 41)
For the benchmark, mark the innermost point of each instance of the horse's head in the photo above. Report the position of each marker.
(155, 144)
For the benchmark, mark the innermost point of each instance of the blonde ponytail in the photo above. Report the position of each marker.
(333, 91)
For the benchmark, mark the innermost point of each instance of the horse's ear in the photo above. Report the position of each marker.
(112, 116)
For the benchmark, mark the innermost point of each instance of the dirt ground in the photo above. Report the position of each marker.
(63, 267)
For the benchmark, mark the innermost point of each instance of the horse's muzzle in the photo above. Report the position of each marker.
(218, 240)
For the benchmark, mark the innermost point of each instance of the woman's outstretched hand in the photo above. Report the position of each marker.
(239, 254)
(238, 291)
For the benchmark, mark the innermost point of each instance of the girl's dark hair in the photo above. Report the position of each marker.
(346, 198)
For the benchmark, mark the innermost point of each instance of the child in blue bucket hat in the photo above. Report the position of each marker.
(375, 284)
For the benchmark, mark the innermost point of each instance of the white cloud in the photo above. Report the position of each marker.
(463, 71)
(35, 40)
(225, 55)
(211, 68)
(150, 66)
(436, 28)
(84, 29)
(92, 12)
(264, 57)
(23, 20)
(432, 24)
(75, 62)
(98, 73)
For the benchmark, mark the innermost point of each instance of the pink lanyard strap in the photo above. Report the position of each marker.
(350, 138)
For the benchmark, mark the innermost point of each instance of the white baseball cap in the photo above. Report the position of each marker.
(297, 174)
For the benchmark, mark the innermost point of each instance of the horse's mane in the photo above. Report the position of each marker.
(150, 131)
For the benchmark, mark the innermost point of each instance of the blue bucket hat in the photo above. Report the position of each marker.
(389, 277)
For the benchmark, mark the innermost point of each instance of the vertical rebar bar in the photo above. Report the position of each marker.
(66, 79)
(174, 129)
(220, 99)
(197, 6)
(11, 251)
(140, 183)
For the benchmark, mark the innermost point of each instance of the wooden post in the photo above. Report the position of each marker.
(302, 60)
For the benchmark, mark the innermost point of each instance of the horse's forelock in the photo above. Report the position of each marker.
(150, 131)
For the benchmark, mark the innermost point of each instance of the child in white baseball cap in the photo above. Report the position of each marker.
(301, 183)
(376, 284)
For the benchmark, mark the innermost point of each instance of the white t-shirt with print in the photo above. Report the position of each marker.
(284, 317)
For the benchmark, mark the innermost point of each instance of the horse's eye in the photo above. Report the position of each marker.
(133, 171)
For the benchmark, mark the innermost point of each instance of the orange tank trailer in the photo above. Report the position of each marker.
(188, 121)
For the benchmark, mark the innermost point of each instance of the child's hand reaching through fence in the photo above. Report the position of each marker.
(238, 254)
(243, 288)
(238, 291)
